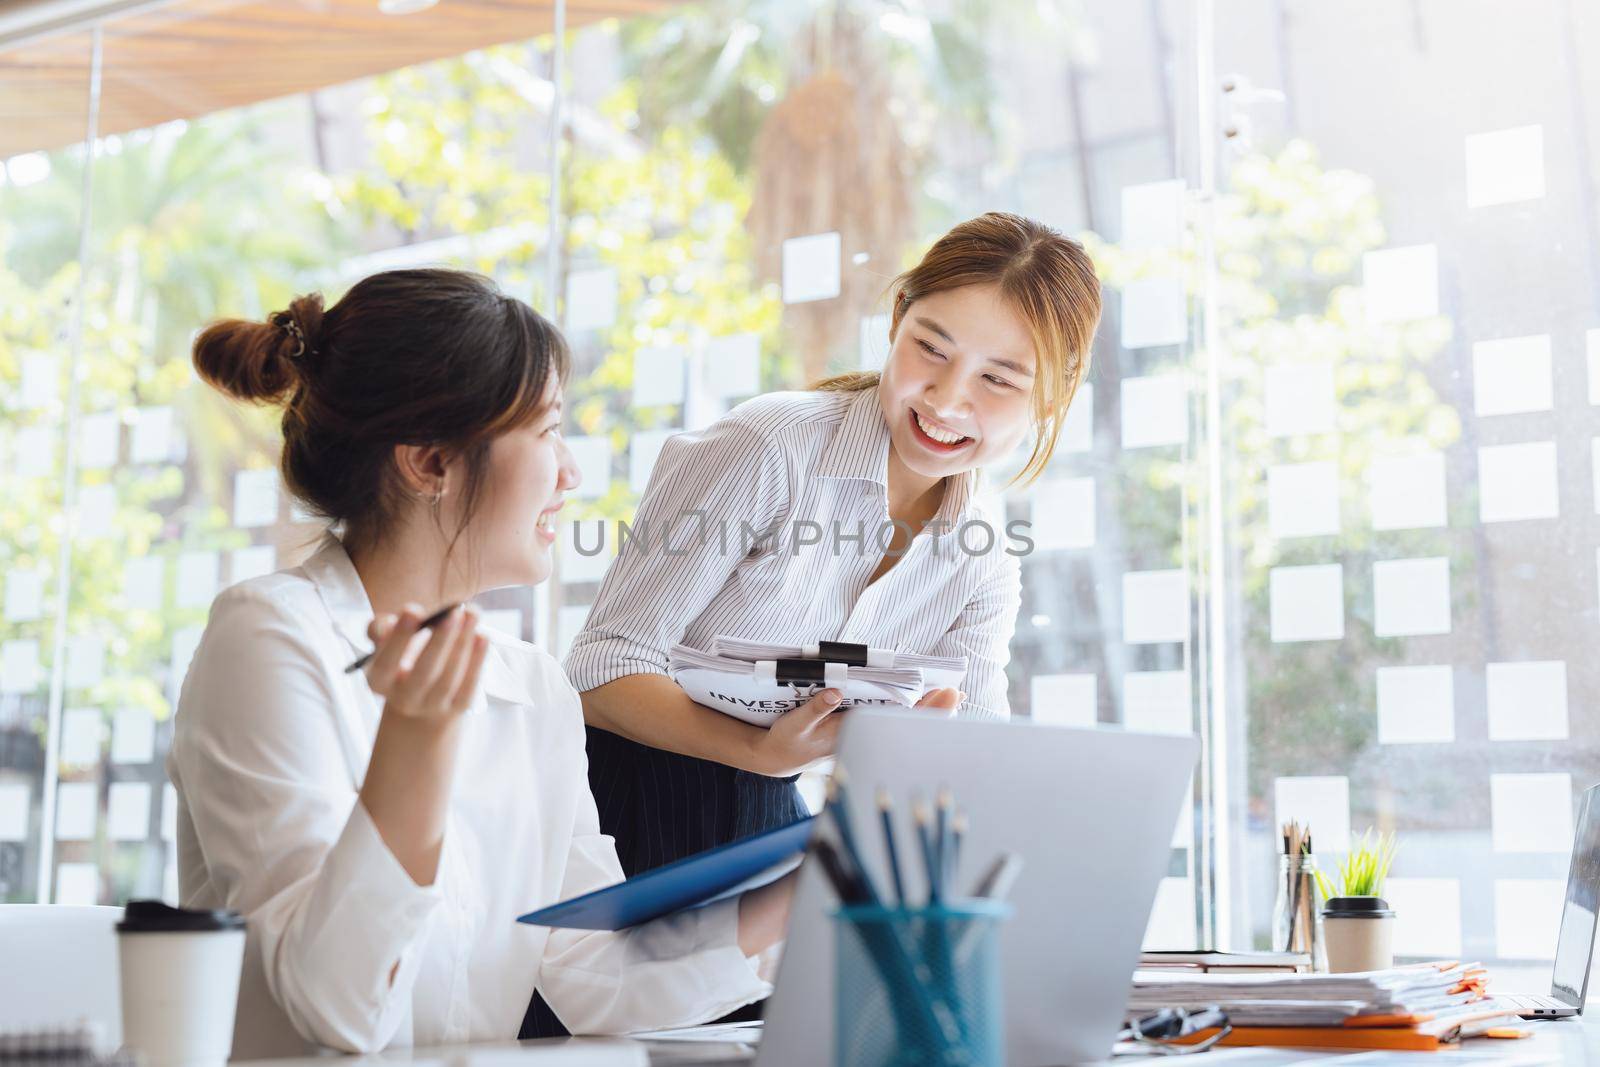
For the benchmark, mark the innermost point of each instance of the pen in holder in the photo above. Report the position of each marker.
(1297, 914)
(919, 985)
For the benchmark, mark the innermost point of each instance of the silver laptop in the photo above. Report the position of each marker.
(1569, 981)
(1091, 812)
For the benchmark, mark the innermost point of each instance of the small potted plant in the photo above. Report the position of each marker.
(1358, 924)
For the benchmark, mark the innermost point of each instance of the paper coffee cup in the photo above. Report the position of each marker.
(180, 983)
(1358, 933)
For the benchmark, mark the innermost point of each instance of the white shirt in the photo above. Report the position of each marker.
(775, 463)
(270, 748)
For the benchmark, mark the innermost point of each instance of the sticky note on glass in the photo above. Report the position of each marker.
(198, 573)
(1300, 399)
(1303, 499)
(38, 386)
(251, 562)
(1171, 924)
(1517, 482)
(82, 730)
(1154, 313)
(15, 800)
(1531, 812)
(35, 455)
(77, 808)
(811, 268)
(184, 642)
(1427, 916)
(1401, 283)
(1064, 699)
(1155, 411)
(1527, 700)
(133, 736)
(591, 299)
(24, 596)
(1063, 514)
(569, 624)
(128, 811)
(97, 510)
(1152, 215)
(1527, 917)
(642, 452)
(141, 582)
(1416, 705)
(593, 456)
(1155, 607)
(504, 620)
(1505, 166)
(874, 342)
(99, 437)
(86, 661)
(150, 440)
(1512, 375)
(1306, 603)
(733, 365)
(255, 498)
(1320, 802)
(1157, 702)
(169, 813)
(1407, 491)
(658, 376)
(20, 671)
(77, 884)
(1077, 429)
(1411, 597)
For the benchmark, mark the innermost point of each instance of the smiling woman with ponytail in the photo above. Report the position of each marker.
(380, 829)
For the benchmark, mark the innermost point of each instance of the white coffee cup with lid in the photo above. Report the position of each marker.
(1358, 933)
(180, 982)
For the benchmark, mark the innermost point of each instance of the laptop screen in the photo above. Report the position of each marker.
(1570, 979)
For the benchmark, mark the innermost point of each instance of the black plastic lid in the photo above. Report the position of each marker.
(1357, 908)
(154, 917)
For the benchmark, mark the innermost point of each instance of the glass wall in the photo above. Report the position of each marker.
(1322, 497)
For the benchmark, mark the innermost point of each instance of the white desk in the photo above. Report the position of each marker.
(1564, 1042)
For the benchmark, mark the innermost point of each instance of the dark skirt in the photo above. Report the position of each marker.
(661, 807)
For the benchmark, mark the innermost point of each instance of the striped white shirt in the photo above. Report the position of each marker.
(810, 470)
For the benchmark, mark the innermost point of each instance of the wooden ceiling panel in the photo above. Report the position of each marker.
(195, 57)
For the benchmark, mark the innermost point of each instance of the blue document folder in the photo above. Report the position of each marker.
(688, 883)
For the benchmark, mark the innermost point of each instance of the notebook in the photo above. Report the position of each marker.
(755, 682)
(692, 882)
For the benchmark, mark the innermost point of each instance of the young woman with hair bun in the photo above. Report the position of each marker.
(380, 830)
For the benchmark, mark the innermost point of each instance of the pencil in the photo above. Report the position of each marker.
(923, 818)
(839, 811)
(886, 816)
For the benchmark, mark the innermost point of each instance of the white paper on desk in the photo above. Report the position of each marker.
(98, 435)
(747, 1033)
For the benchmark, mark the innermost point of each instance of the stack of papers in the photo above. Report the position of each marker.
(1404, 1007)
(756, 682)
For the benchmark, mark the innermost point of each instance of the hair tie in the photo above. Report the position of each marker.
(285, 321)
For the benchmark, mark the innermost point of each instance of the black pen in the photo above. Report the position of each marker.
(426, 624)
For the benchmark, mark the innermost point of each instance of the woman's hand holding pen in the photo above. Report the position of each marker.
(800, 737)
(407, 787)
(438, 682)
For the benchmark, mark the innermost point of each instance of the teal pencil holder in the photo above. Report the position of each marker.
(919, 986)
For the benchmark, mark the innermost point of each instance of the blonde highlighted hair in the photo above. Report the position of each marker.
(1046, 277)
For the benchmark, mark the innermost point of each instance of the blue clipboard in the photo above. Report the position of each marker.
(686, 883)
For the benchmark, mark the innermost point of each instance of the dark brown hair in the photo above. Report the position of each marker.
(407, 357)
(1050, 281)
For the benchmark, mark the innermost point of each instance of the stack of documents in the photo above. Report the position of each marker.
(1416, 1007)
(756, 682)
(1227, 962)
